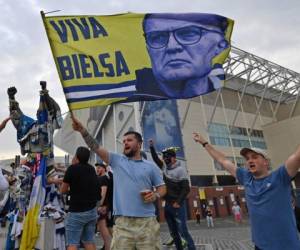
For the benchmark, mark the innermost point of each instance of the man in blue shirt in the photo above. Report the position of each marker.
(268, 196)
(136, 226)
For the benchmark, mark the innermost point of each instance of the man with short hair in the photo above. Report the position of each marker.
(82, 183)
(178, 187)
(134, 178)
(268, 195)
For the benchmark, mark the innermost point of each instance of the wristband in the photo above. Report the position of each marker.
(204, 144)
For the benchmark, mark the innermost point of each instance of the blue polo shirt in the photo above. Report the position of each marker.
(269, 202)
(130, 178)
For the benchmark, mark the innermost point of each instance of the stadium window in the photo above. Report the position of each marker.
(219, 135)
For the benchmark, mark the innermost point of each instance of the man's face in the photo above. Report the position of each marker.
(100, 170)
(256, 163)
(175, 61)
(131, 145)
(169, 159)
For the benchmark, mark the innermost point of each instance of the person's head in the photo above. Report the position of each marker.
(181, 46)
(169, 155)
(82, 155)
(100, 168)
(257, 161)
(132, 142)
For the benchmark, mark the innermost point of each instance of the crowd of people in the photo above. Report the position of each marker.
(117, 198)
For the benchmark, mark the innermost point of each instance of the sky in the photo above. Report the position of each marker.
(269, 29)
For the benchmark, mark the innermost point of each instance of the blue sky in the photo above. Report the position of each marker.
(269, 29)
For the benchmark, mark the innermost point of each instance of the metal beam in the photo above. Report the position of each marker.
(259, 105)
(214, 108)
(185, 113)
(240, 99)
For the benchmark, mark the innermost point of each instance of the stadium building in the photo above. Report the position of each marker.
(258, 107)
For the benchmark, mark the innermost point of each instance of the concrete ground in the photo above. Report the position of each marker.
(226, 235)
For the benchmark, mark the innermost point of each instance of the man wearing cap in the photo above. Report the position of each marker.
(81, 180)
(268, 195)
(177, 182)
(136, 226)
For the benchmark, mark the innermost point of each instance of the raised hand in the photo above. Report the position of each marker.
(151, 142)
(76, 124)
(3, 123)
(11, 92)
(198, 138)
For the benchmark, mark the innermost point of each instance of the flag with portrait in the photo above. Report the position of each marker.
(137, 57)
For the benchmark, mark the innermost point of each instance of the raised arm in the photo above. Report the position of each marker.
(292, 164)
(3, 123)
(216, 155)
(89, 140)
(154, 155)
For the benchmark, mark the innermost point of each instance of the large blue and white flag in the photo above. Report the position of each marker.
(31, 227)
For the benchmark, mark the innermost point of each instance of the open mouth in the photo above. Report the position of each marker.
(251, 166)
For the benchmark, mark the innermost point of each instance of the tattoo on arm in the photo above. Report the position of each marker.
(90, 141)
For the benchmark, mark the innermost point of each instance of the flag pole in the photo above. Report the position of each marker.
(43, 15)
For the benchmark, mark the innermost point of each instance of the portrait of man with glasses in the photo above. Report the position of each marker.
(183, 49)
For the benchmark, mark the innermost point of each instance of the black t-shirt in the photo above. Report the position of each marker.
(208, 213)
(84, 187)
(107, 180)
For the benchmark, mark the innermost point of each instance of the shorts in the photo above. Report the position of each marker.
(237, 217)
(136, 233)
(81, 226)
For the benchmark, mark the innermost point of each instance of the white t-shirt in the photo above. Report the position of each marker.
(236, 209)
